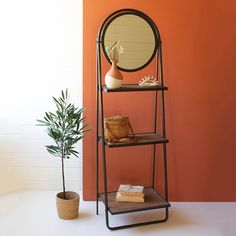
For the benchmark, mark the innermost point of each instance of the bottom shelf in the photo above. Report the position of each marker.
(153, 200)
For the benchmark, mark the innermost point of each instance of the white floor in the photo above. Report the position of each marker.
(33, 213)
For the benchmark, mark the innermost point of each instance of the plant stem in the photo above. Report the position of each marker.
(63, 177)
(63, 150)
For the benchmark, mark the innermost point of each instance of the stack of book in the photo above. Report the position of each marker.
(130, 193)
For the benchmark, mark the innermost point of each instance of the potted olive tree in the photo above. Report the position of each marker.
(65, 126)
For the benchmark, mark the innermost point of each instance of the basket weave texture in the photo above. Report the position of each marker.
(68, 208)
(116, 127)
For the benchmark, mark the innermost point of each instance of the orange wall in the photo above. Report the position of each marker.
(199, 52)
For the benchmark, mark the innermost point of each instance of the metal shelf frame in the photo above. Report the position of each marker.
(159, 139)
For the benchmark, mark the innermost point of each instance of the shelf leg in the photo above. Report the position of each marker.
(154, 167)
(165, 172)
(97, 165)
(97, 211)
(97, 178)
(105, 185)
(155, 131)
(97, 128)
(167, 214)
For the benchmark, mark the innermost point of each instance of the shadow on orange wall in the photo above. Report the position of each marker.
(199, 53)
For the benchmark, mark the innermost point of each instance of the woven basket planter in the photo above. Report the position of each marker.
(68, 208)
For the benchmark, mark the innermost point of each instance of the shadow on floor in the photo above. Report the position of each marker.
(84, 215)
(176, 219)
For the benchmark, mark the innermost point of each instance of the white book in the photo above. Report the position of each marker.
(130, 189)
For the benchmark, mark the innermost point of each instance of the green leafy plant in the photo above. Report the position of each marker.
(65, 126)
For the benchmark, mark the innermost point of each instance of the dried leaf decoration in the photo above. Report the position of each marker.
(115, 51)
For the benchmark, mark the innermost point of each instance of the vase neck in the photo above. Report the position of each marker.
(114, 63)
(114, 71)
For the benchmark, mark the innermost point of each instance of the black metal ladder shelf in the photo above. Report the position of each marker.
(153, 199)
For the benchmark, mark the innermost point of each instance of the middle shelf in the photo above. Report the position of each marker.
(133, 88)
(141, 139)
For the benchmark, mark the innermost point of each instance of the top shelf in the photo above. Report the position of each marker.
(133, 88)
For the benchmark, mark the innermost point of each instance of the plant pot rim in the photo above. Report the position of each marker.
(72, 195)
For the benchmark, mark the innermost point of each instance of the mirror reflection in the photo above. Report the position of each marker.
(137, 38)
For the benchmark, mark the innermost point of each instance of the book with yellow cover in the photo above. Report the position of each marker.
(130, 193)
(124, 198)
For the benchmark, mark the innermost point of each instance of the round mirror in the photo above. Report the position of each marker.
(136, 35)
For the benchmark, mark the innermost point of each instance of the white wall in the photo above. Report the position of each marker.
(40, 54)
